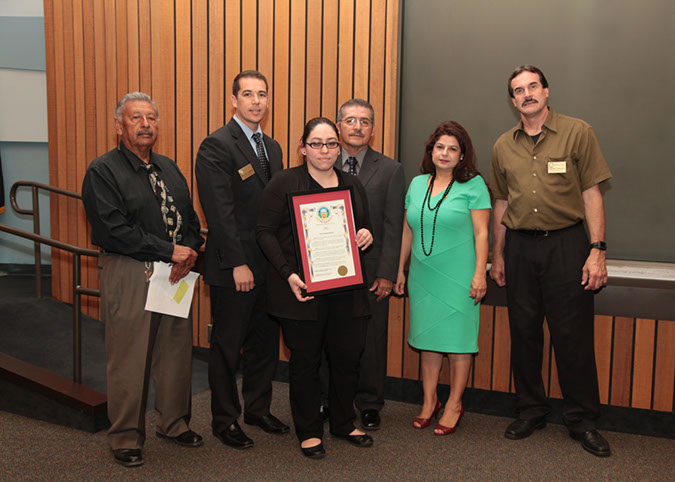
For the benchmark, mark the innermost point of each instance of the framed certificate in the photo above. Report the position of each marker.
(325, 239)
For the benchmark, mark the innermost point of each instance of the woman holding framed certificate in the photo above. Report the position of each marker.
(312, 225)
(445, 235)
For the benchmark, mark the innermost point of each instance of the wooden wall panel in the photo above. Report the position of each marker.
(185, 54)
(622, 361)
(664, 367)
(501, 361)
(603, 354)
(643, 363)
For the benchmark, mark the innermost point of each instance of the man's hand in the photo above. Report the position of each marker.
(382, 288)
(243, 278)
(594, 272)
(184, 259)
(183, 254)
(297, 285)
(497, 270)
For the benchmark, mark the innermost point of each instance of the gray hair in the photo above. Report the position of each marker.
(133, 96)
(358, 103)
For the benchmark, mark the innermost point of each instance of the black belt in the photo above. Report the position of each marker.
(540, 232)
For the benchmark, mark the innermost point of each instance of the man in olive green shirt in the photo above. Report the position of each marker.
(545, 176)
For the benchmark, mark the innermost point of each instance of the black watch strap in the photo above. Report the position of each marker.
(601, 245)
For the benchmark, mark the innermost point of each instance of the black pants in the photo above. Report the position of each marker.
(344, 337)
(373, 367)
(241, 320)
(543, 279)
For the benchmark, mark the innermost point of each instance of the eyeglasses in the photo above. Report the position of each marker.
(319, 145)
(351, 121)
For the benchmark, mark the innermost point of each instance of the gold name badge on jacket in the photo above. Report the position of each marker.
(246, 172)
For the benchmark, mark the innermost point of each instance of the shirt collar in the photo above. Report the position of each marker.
(551, 123)
(134, 160)
(360, 156)
(247, 130)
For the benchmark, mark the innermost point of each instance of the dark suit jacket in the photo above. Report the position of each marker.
(230, 203)
(383, 179)
(275, 236)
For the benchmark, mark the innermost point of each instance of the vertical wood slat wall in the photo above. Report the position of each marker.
(315, 54)
(185, 54)
(635, 357)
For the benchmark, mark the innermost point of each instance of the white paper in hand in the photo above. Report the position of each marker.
(168, 299)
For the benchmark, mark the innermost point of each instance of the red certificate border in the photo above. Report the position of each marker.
(331, 194)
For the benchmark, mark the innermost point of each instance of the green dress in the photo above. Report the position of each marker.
(443, 317)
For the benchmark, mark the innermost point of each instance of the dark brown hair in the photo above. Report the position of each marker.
(527, 68)
(253, 74)
(309, 127)
(466, 167)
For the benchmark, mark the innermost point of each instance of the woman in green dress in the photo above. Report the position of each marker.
(445, 235)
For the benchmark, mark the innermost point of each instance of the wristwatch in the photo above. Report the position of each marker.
(601, 245)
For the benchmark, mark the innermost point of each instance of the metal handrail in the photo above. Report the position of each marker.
(77, 288)
(77, 253)
(35, 212)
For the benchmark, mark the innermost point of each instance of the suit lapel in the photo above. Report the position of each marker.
(369, 167)
(244, 146)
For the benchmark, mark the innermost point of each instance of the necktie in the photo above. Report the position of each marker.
(260, 150)
(351, 160)
(172, 218)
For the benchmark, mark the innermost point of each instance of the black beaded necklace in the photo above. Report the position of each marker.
(427, 201)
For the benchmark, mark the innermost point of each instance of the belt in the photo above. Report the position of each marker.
(541, 232)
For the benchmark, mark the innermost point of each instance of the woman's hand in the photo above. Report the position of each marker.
(363, 238)
(399, 287)
(478, 288)
(297, 285)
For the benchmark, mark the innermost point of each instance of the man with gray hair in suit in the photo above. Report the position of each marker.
(383, 179)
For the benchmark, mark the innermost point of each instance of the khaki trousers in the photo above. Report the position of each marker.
(139, 344)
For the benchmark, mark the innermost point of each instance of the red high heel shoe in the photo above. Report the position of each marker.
(425, 422)
(448, 430)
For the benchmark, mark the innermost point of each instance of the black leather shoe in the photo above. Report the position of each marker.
(128, 457)
(186, 439)
(234, 436)
(522, 428)
(269, 423)
(364, 440)
(316, 452)
(370, 419)
(593, 442)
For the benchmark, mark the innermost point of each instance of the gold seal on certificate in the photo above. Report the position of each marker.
(326, 240)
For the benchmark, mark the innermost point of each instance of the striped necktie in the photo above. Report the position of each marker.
(260, 151)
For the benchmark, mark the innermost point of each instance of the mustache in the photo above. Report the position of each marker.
(144, 132)
(528, 100)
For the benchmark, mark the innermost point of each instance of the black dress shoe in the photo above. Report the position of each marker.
(316, 452)
(186, 439)
(128, 457)
(269, 423)
(363, 440)
(522, 428)
(370, 419)
(593, 442)
(234, 436)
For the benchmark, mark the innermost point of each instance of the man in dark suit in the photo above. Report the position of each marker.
(233, 166)
(383, 179)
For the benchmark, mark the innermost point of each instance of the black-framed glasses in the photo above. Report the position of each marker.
(364, 121)
(319, 145)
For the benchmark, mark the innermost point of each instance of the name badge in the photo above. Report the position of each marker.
(246, 172)
(557, 167)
